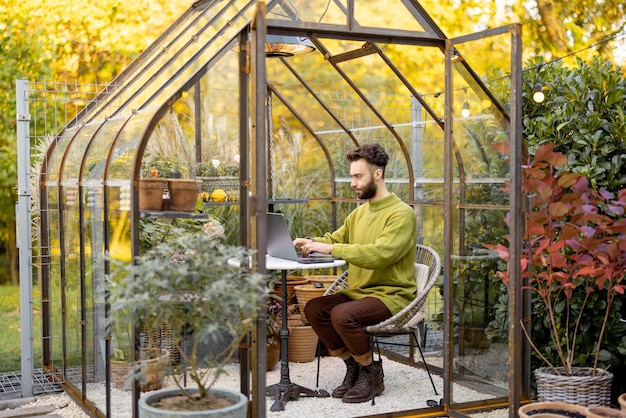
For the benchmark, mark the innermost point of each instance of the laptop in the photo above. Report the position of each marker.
(280, 243)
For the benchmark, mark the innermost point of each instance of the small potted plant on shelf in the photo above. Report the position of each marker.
(188, 283)
(152, 183)
(182, 192)
(574, 261)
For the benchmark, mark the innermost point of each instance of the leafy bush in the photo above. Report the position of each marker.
(583, 115)
(576, 246)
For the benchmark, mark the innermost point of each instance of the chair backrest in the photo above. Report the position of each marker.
(412, 315)
(415, 312)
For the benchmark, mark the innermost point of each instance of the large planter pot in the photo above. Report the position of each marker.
(237, 409)
(580, 388)
(306, 292)
(292, 282)
(604, 412)
(552, 410)
(327, 279)
(183, 194)
(151, 193)
(302, 344)
(151, 368)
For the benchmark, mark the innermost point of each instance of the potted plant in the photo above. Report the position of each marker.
(574, 260)
(187, 282)
(273, 332)
(152, 183)
(182, 192)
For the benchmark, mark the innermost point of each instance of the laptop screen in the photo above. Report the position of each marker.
(279, 241)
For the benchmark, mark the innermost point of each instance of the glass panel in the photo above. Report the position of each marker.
(180, 45)
(56, 156)
(97, 154)
(201, 43)
(71, 285)
(125, 149)
(94, 250)
(118, 232)
(480, 330)
(76, 151)
(398, 14)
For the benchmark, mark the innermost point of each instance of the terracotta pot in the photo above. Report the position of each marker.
(292, 282)
(604, 412)
(152, 368)
(306, 292)
(273, 352)
(183, 194)
(552, 410)
(151, 193)
(302, 344)
(622, 402)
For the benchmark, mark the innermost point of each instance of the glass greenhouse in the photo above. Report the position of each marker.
(261, 101)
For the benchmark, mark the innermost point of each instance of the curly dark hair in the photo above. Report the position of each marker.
(374, 154)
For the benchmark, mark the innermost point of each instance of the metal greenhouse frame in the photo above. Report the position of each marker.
(447, 110)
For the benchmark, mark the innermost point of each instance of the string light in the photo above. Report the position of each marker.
(538, 95)
(465, 112)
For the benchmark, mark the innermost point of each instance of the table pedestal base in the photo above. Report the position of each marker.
(283, 392)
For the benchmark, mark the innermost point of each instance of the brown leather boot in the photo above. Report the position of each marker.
(352, 374)
(362, 389)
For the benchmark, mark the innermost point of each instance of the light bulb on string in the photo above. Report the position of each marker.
(465, 112)
(538, 95)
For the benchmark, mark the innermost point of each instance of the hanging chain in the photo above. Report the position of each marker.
(270, 138)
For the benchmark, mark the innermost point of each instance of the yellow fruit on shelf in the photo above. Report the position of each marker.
(218, 195)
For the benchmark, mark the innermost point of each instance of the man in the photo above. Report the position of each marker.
(378, 242)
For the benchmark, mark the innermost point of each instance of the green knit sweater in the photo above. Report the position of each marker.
(378, 241)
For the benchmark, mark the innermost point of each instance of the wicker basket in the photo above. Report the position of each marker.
(151, 368)
(582, 387)
(226, 183)
(162, 338)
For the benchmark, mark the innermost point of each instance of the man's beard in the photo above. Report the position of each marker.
(369, 191)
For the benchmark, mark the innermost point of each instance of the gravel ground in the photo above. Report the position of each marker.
(405, 388)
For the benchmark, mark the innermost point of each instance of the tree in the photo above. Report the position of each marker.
(87, 42)
(552, 28)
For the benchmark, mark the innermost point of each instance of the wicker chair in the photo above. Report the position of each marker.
(410, 319)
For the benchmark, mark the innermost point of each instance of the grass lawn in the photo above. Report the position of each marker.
(9, 329)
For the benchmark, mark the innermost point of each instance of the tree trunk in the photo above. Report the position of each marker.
(552, 24)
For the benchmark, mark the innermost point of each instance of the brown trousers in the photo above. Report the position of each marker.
(339, 322)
